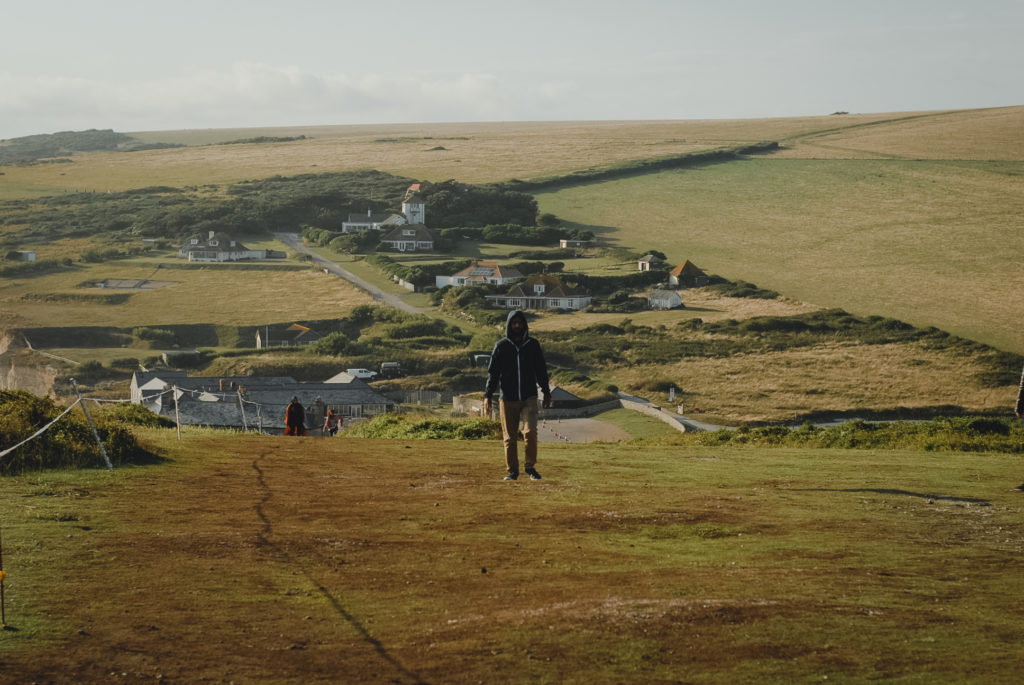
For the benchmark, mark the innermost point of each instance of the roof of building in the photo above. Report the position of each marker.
(224, 241)
(422, 234)
(553, 287)
(688, 268)
(369, 218)
(481, 270)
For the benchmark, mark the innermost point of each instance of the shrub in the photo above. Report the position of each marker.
(68, 443)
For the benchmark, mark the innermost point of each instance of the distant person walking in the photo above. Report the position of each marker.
(295, 418)
(517, 369)
(332, 422)
(1018, 410)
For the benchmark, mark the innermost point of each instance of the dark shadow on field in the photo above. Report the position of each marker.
(892, 491)
(283, 555)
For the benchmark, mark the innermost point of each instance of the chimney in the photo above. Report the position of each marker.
(369, 213)
(212, 233)
(222, 385)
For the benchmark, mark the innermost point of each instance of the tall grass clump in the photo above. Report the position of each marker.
(945, 434)
(68, 443)
(419, 428)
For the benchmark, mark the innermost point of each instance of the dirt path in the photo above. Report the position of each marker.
(580, 430)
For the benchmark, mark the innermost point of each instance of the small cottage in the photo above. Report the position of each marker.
(658, 298)
(687, 275)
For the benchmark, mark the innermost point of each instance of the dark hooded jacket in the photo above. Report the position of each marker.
(517, 369)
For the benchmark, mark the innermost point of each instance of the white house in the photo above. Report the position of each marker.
(664, 299)
(414, 211)
(371, 221)
(477, 273)
(410, 238)
(541, 291)
(648, 262)
(217, 247)
(413, 206)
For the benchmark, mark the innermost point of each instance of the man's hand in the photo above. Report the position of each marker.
(487, 406)
(547, 400)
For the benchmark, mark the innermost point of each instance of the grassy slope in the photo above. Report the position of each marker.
(930, 241)
(474, 153)
(415, 563)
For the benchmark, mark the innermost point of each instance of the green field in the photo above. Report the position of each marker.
(929, 242)
(253, 559)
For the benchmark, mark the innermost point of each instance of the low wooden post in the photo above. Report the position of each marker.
(95, 433)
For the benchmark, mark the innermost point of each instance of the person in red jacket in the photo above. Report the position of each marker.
(295, 418)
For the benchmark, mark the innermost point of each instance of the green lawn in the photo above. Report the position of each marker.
(413, 561)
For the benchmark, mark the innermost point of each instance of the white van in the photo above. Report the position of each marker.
(361, 373)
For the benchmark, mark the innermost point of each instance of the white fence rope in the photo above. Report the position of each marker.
(40, 431)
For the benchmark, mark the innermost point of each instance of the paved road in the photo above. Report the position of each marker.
(294, 241)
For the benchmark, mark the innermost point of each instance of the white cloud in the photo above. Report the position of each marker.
(255, 94)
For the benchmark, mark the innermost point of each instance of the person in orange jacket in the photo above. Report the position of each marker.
(295, 418)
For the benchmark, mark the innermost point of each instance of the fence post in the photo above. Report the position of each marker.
(3, 606)
(177, 419)
(95, 433)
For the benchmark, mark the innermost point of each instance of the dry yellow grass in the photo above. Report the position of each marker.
(780, 386)
(990, 134)
(700, 304)
(473, 152)
(221, 296)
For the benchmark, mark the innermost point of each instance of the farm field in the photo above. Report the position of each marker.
(263, 294)
(414, 563)
(469, 152)
(934, 243)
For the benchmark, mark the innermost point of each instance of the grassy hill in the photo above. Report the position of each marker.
(252, 558)
(911, 216)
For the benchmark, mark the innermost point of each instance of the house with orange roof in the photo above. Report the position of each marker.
(687, 275)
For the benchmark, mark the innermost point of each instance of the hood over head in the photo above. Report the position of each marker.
(513, 314)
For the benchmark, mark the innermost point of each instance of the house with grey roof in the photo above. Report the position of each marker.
(478, 273)
(217, 246)
(659, 298)
(371, 221)
(252, 402)
(541, 291)
(409, 238)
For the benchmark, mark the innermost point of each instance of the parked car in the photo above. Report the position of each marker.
(362, 373)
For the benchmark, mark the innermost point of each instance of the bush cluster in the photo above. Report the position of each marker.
(69, 443)
(417, 428)
(946, 434)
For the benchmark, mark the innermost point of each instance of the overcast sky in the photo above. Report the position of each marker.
(136, 65)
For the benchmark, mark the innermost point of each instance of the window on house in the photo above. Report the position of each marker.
(539, 288)
(213, 243)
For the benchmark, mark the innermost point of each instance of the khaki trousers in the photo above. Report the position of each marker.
(512, 414)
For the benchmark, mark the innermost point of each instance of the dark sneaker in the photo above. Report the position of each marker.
(512, 476)
(532, 473)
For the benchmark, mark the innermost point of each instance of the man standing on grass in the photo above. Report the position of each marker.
(517, 368)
